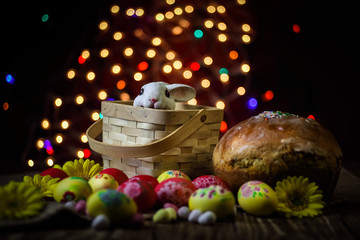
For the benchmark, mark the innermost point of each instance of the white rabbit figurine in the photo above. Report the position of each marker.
(162, 95)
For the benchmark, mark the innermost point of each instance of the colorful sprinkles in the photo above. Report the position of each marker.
(274, 114)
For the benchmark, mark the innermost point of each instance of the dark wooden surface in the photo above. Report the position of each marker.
(341, 220)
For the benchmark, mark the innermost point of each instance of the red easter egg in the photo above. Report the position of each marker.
(119, 175)
(146, 178)
(208, 180)
(55, 173)
(175, 190)
(141, 192)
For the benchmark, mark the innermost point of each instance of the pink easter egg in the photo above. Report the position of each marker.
(175, 190)
(141, 192)
(146, 178)
(208, 180)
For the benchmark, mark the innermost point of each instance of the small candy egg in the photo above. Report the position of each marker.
(183, 212)
(100, 222)
(194, 215)
(117, 206)
(208, 180)
(257, 198)
(141, 192)
(55, 173)
(207, 218)
(72, 189)
(117, 174)
(80, 207)
(146, 178)
(175, 190)
(102, 181)
(214, 198)
(172, 174)
(164, 215)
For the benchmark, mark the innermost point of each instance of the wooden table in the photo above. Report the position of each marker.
(341, 220)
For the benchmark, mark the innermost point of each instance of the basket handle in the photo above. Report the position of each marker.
(154, 148)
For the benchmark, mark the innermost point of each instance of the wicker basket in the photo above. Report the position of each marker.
(149, 141)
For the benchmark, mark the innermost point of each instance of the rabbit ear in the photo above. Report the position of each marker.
(181, 92)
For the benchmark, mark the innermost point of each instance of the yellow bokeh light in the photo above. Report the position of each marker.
(170, 2)
(124, 96)
(79, 99)
(220, 104)
(84, 138)
(178, 11)
(211, 9)
(90, 76)
(156, 41)
(192, 101)
(58, 102)
(95, 116)
(65, 124)
(150, 53)
(221, 9)
(241, 2)
(208, 60)
(189, 9)
(130, 12)
(117, 36)
(208, 24)
(139, 12)
(222, 37)
(245, 68)
(167, 68)
(59, 138)
(221, 26)
(85, 54)
(102, 95)
(170, 55)
(205, 83)
(241, 91)
(30, 163)
(169, 15)
(40, 143)
(104, 53)
(224, 77)
(128, 51)
(45, 124)
(50, 162)
(116, 69)
(70, 74)
(80, 154)
(138, 76)
(103, 25)
(246, 38)
(246, 27)
(177, 30)
(187, 74)
(115, 9)
(177, 64)
(159, 17)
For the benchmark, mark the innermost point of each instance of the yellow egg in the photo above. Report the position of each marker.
(257, 198)
(103, 181)
(172, 174)
(214, 198)
(72, 189)
(115, 205)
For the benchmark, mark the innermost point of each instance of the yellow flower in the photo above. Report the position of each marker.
(297, 197)
(45, 183)
(20, 200)
(80, 168)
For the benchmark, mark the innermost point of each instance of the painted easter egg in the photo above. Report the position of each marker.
(117, 206)
(141, 192)
(175, 190)
(72, 189)
(172, 174)
(102, 181)
(208, 180)
(257, 198)
(55, 173)
(146, 178)
(119, 175)
(214, 198)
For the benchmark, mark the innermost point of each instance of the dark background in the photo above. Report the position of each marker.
(310, 72)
